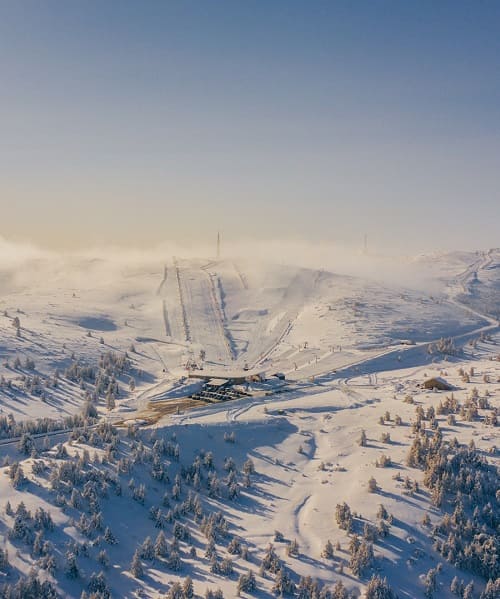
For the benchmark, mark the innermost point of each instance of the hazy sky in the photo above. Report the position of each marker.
(136, 122)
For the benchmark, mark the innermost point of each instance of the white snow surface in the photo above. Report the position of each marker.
(351, 347)
(303, 322)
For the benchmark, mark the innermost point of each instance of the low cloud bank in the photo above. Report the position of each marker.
(22, 264)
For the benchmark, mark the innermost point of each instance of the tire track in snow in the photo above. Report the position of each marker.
(298, 515)
(463, 279)
(301, 513)
(234, 413)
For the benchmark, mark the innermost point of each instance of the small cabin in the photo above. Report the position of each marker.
(437, 383)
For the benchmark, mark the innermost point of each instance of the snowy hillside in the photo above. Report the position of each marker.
(303, 322)
(481, 284)
(154, 488)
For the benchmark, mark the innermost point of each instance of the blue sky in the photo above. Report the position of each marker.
(138, 122)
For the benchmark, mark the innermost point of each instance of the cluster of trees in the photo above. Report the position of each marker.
(460, 478)
(384, 461)
(174, 502)
(247, 583)
(445, 346)
(31, 530)
(344, 517)
(28, 586)
(29, 363)
(492, 589)
(80, 484)
(360, 549)
(95, 381)
(379, 588)
(16, 475)
(26, 526)
(186, 591)
(361, 555)
(111, 365)
(307, 587)
(4, 560)
(10, 428)
(468, 410)
(450, 405)
(104, 376)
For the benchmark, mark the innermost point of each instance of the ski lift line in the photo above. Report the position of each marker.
(241, 276)
(185, 323)
(163, 281)
(264, 355)
(165, 367)
(209, 265)
(318, 359)
(168, 329)
(220, 317)
(292, 316)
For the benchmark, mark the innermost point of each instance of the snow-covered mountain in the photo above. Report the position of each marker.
(96, 427)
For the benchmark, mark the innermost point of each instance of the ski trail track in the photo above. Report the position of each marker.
(166, 321)
(172, 312)
(199, 299)
(185, 323)
(219, 310)
(294, 298)
(163, 281)
(241, 276)
(168, 330)
(203, 313)
(465, 278)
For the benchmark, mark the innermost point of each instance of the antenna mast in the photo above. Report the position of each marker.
(218, 245)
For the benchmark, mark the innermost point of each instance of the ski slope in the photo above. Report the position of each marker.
(224, 316)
